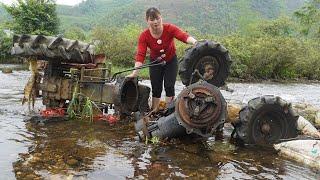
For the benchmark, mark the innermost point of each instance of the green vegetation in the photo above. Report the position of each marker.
(309, 17)
(34, 17)
(80, 106)
(5, 45)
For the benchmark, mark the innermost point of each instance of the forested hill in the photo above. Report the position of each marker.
(206, 16)
(3, 14)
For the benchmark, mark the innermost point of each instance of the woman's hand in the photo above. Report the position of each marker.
(191, 40)
(135, 72)
(132, 75)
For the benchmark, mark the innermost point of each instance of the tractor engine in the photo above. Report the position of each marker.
(70, 67)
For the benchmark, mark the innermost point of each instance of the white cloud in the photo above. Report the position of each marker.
(65, 2)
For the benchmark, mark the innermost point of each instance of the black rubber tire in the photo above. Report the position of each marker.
(270, 109)
(48, 48)
(202, 49)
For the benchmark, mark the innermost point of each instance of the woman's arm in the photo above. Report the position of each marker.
(182, 35)
(140, 55)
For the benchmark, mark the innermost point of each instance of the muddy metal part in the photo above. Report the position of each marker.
(200, 109)
(69, 64)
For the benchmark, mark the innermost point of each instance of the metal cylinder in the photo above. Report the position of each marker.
(164, 127)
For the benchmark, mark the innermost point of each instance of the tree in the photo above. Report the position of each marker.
(34, 17)
(75, 33)
(309, 17)
(4, 45)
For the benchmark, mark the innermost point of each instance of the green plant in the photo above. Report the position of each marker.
(154, 140)
(34, 17)
(74, 105)
(87, 110)
(5, 46)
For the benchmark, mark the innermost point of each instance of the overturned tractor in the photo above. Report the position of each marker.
(72, 74)
(72, 70)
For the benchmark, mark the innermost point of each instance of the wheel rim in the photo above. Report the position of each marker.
(208, 66)
(269, 125)
(200, 106)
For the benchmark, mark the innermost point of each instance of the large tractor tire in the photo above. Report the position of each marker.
(48, 47)
(266, 120)
(211, 59)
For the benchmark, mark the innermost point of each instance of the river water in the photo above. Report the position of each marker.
(83, 150)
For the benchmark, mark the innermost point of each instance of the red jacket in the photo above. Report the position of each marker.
(163, 45)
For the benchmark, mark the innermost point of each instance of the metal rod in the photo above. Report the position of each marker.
(94, 77)
(96, 69)
(93, 82)
(140, 67)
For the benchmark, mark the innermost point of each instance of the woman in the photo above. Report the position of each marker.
(159, 38)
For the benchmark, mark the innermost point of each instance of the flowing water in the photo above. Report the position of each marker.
(82, 150)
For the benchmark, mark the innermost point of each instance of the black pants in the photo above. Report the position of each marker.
(167, 74)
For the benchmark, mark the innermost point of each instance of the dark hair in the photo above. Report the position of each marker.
(152, 13)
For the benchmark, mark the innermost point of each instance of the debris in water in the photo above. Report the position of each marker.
(304, 151)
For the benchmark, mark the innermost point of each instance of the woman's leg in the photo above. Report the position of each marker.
(156, 77)
(170, 76)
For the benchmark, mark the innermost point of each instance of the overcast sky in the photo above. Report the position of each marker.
(66, 2)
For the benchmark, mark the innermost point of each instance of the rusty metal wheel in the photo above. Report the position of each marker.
(211, 59)
(200, 108)
(266, 120)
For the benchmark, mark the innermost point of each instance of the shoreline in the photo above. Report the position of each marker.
(24, 66)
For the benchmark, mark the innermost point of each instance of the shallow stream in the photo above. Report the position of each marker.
(81, 150)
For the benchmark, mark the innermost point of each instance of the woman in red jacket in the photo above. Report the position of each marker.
(159, 38)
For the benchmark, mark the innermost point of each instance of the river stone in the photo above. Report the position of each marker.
(233, 113)
(35, 159)
(6, 70)
(72, 162)
(30, 176)
(317, 119)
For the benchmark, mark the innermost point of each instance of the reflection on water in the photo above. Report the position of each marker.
(81, 150)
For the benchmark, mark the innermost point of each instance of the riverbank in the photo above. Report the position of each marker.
(144, 75)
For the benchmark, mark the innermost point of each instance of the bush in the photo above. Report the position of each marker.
(275, 57)
(5, 46)
(272, 51)
(119, 45)
(75, 33)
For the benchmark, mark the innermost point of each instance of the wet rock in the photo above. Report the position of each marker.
(6, 70)
(233, 113)
(72, 162)
(30, 176)
(317, 119)
(35, 159)
(37, 155)
(306, 111)
(300, 106)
